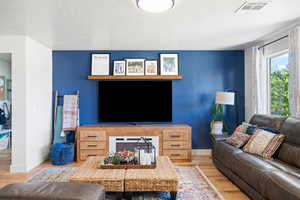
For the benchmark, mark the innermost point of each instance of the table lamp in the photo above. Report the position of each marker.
(225, 98)
(222, 98)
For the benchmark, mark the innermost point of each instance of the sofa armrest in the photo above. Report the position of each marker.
(224, 136)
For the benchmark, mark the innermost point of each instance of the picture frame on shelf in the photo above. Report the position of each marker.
(119, 68)
(151, 67)
(100, 64)
(169, 64)
(135, 67)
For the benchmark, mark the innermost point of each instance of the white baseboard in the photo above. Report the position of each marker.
(14, 168)
(17, 168)
(201, 152)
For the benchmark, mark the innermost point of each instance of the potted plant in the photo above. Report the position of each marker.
(217, 122)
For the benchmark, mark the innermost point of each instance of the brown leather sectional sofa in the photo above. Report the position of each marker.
(275, 179)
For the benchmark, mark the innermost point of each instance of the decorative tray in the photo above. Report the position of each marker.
(127, 166)
(126, 160)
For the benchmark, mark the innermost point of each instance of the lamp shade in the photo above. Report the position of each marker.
(225, 98)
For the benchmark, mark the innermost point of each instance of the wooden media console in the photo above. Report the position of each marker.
(174, 140)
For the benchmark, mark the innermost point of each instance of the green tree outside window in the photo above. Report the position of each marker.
(279, 86)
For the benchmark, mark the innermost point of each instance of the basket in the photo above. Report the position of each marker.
(4, 141)
(62, 154)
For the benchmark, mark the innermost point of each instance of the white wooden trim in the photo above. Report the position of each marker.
(201, 152)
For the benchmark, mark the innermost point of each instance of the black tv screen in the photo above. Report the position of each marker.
(135, 101)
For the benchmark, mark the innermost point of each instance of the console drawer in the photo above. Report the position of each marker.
(92, 145)
(177, 154)
(84, 154)
(175, 135)
(175, 145)
(92, 135)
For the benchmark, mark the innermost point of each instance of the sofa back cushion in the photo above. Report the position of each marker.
(289, 151)
(271, 121)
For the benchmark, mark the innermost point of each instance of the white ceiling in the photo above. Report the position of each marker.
(120, 25)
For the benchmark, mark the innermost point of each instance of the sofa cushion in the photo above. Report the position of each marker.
(282, 185)
(285, 167)
(289, 153)
(253, 170)
(271, 121)
(263, 143)
(290, 150)
(50, 191)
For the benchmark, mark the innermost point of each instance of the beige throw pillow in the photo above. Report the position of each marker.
(263, 143)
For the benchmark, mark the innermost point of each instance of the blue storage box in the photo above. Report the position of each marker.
(62, 154)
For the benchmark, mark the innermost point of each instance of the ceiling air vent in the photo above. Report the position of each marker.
(252, 6)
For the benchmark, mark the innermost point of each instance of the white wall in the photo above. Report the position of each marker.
(38, 102)
(31, 100)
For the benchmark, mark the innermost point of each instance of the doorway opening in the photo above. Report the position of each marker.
(5, 112)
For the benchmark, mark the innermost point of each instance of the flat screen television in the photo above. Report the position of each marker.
(135, 101)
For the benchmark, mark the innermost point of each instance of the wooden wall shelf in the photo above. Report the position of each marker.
(134, 77)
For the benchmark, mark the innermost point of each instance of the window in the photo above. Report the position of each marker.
(279, 76)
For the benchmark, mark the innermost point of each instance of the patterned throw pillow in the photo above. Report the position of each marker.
(238, 139)
(263, 143)
(242, 128)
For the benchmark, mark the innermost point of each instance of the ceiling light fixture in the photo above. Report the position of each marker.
(155, 6)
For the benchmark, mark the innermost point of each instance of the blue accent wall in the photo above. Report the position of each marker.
(204, 72)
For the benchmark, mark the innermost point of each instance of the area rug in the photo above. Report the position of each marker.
(193, 184)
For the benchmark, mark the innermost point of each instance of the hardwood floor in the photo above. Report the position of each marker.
(223, 185)
(5, 160)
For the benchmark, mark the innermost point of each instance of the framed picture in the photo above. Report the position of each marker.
(169, 64)
(119, 67)
(100, 64)
(135, 67)
(151, 67)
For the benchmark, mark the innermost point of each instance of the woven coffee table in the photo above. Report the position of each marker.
(111, 179)
(162, 178)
